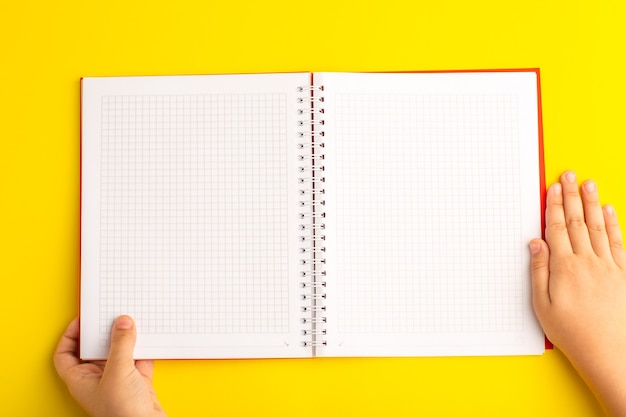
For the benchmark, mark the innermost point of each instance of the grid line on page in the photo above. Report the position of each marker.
(428, 212)
(193, 209)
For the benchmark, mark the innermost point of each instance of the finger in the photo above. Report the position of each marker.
(66, 353)
(574, 214)
(145, 368)
(540, 273)
(614, 233)
(556, 228)
(594, 218)
(123, 337)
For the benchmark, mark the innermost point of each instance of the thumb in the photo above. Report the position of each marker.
(540, 272)
(123, 337)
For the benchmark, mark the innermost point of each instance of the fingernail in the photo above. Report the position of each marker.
(124, 323)
(535, 247)
(570, 177)
(556, 188)
(609, 209)
(589, 186)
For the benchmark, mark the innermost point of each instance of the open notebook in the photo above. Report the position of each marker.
(298, 215)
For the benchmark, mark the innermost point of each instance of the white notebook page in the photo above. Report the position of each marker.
(432, 193)
(187, 215)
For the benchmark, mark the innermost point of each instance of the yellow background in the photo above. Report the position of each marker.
(46, 46)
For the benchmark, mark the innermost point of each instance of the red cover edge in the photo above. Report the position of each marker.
(80, 205)
(542, 172)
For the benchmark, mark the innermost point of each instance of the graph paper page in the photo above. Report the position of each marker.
(187, 198)
(432, 193)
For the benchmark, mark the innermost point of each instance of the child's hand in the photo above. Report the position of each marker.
(119, 387)
(579, 287)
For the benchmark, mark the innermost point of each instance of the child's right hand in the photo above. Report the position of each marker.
(579, 287)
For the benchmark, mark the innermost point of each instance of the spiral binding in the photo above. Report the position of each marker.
(311, 158)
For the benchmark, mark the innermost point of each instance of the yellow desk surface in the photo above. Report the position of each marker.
(46, 46)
